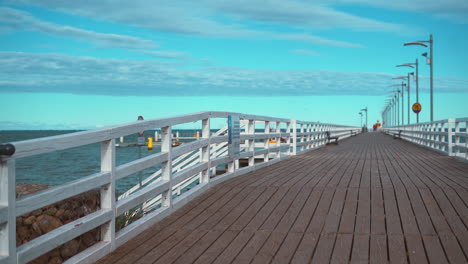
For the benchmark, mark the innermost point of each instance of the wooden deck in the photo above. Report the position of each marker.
(369, 199)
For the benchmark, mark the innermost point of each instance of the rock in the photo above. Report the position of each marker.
(55, 260)
(48, 223)
(69, 249)
(37, 212)
(22, 231)
(36, 228)
(64, 205)
(51, 211)
(55, 253)
(30, 220)
(91, 202)
(88, 239)
(59, 213)
(67, 215)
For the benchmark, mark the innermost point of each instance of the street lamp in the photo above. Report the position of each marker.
(402, 99)
(407, 78)
(397, 104)
(416, 79)
(360, 113)
(430, 61)
(365, 109)
(391, 116)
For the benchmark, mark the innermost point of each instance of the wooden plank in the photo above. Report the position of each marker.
(217, 247)
(288, 248)
(360, 201)
(253, 246)
(342, 249)
(378, 249)
(236, 246)
(181, 248)
(397, 251)
(416, 251)
(270, 247)
(434, 250)
(324, 248)
(250, 213)
(201, 246)
(360, 251)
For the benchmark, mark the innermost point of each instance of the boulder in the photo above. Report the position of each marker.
(70, 248)
(51, 211)
(30, 220)
(48, 223)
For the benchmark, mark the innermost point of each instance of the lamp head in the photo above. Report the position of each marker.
(420, 43)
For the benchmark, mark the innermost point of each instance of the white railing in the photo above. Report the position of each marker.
(445, 136)
(288, 138)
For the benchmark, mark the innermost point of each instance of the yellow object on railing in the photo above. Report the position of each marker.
(150, 144)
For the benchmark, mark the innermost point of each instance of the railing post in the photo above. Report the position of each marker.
(278, 139)
(251, 142)
(205, 151)
(302, 136)
(234, 135)
(266, 144)
(294, 136)
(288, 138)
(457, 138)
(8, 199)
(450, 137)
(108, 190)
(166, 175)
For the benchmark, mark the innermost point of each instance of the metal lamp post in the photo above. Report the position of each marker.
(365, 109)
(397, 106)
(407, 78)
(416, 79)
(430, 61)
(391, 109)
(360, 113)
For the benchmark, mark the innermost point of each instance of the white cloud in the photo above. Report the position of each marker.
(28, 72)
(168, 54)
(13, 19)
(219, 19)
(306, 52)
(455, 10)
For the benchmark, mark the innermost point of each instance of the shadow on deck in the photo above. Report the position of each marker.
(369, 199)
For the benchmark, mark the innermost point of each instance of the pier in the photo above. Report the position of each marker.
(369, 198)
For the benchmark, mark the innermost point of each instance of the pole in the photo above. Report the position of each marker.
(417, 89)
(408, 85)
(398, 107)
(402, 104)
(432, 78)
(367, 124)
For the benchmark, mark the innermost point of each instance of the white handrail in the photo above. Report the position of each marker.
(181, 167)
(444, 136)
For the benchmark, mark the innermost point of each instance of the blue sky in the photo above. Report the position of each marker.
(65, 63)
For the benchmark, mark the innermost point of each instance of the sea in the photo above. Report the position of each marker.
(60, 167)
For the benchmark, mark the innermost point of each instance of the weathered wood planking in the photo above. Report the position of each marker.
(369, 199)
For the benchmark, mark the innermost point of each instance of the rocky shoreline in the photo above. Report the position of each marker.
(41, 221)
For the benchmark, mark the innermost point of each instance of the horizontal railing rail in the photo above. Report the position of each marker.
(191, 164)
(445, 136)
